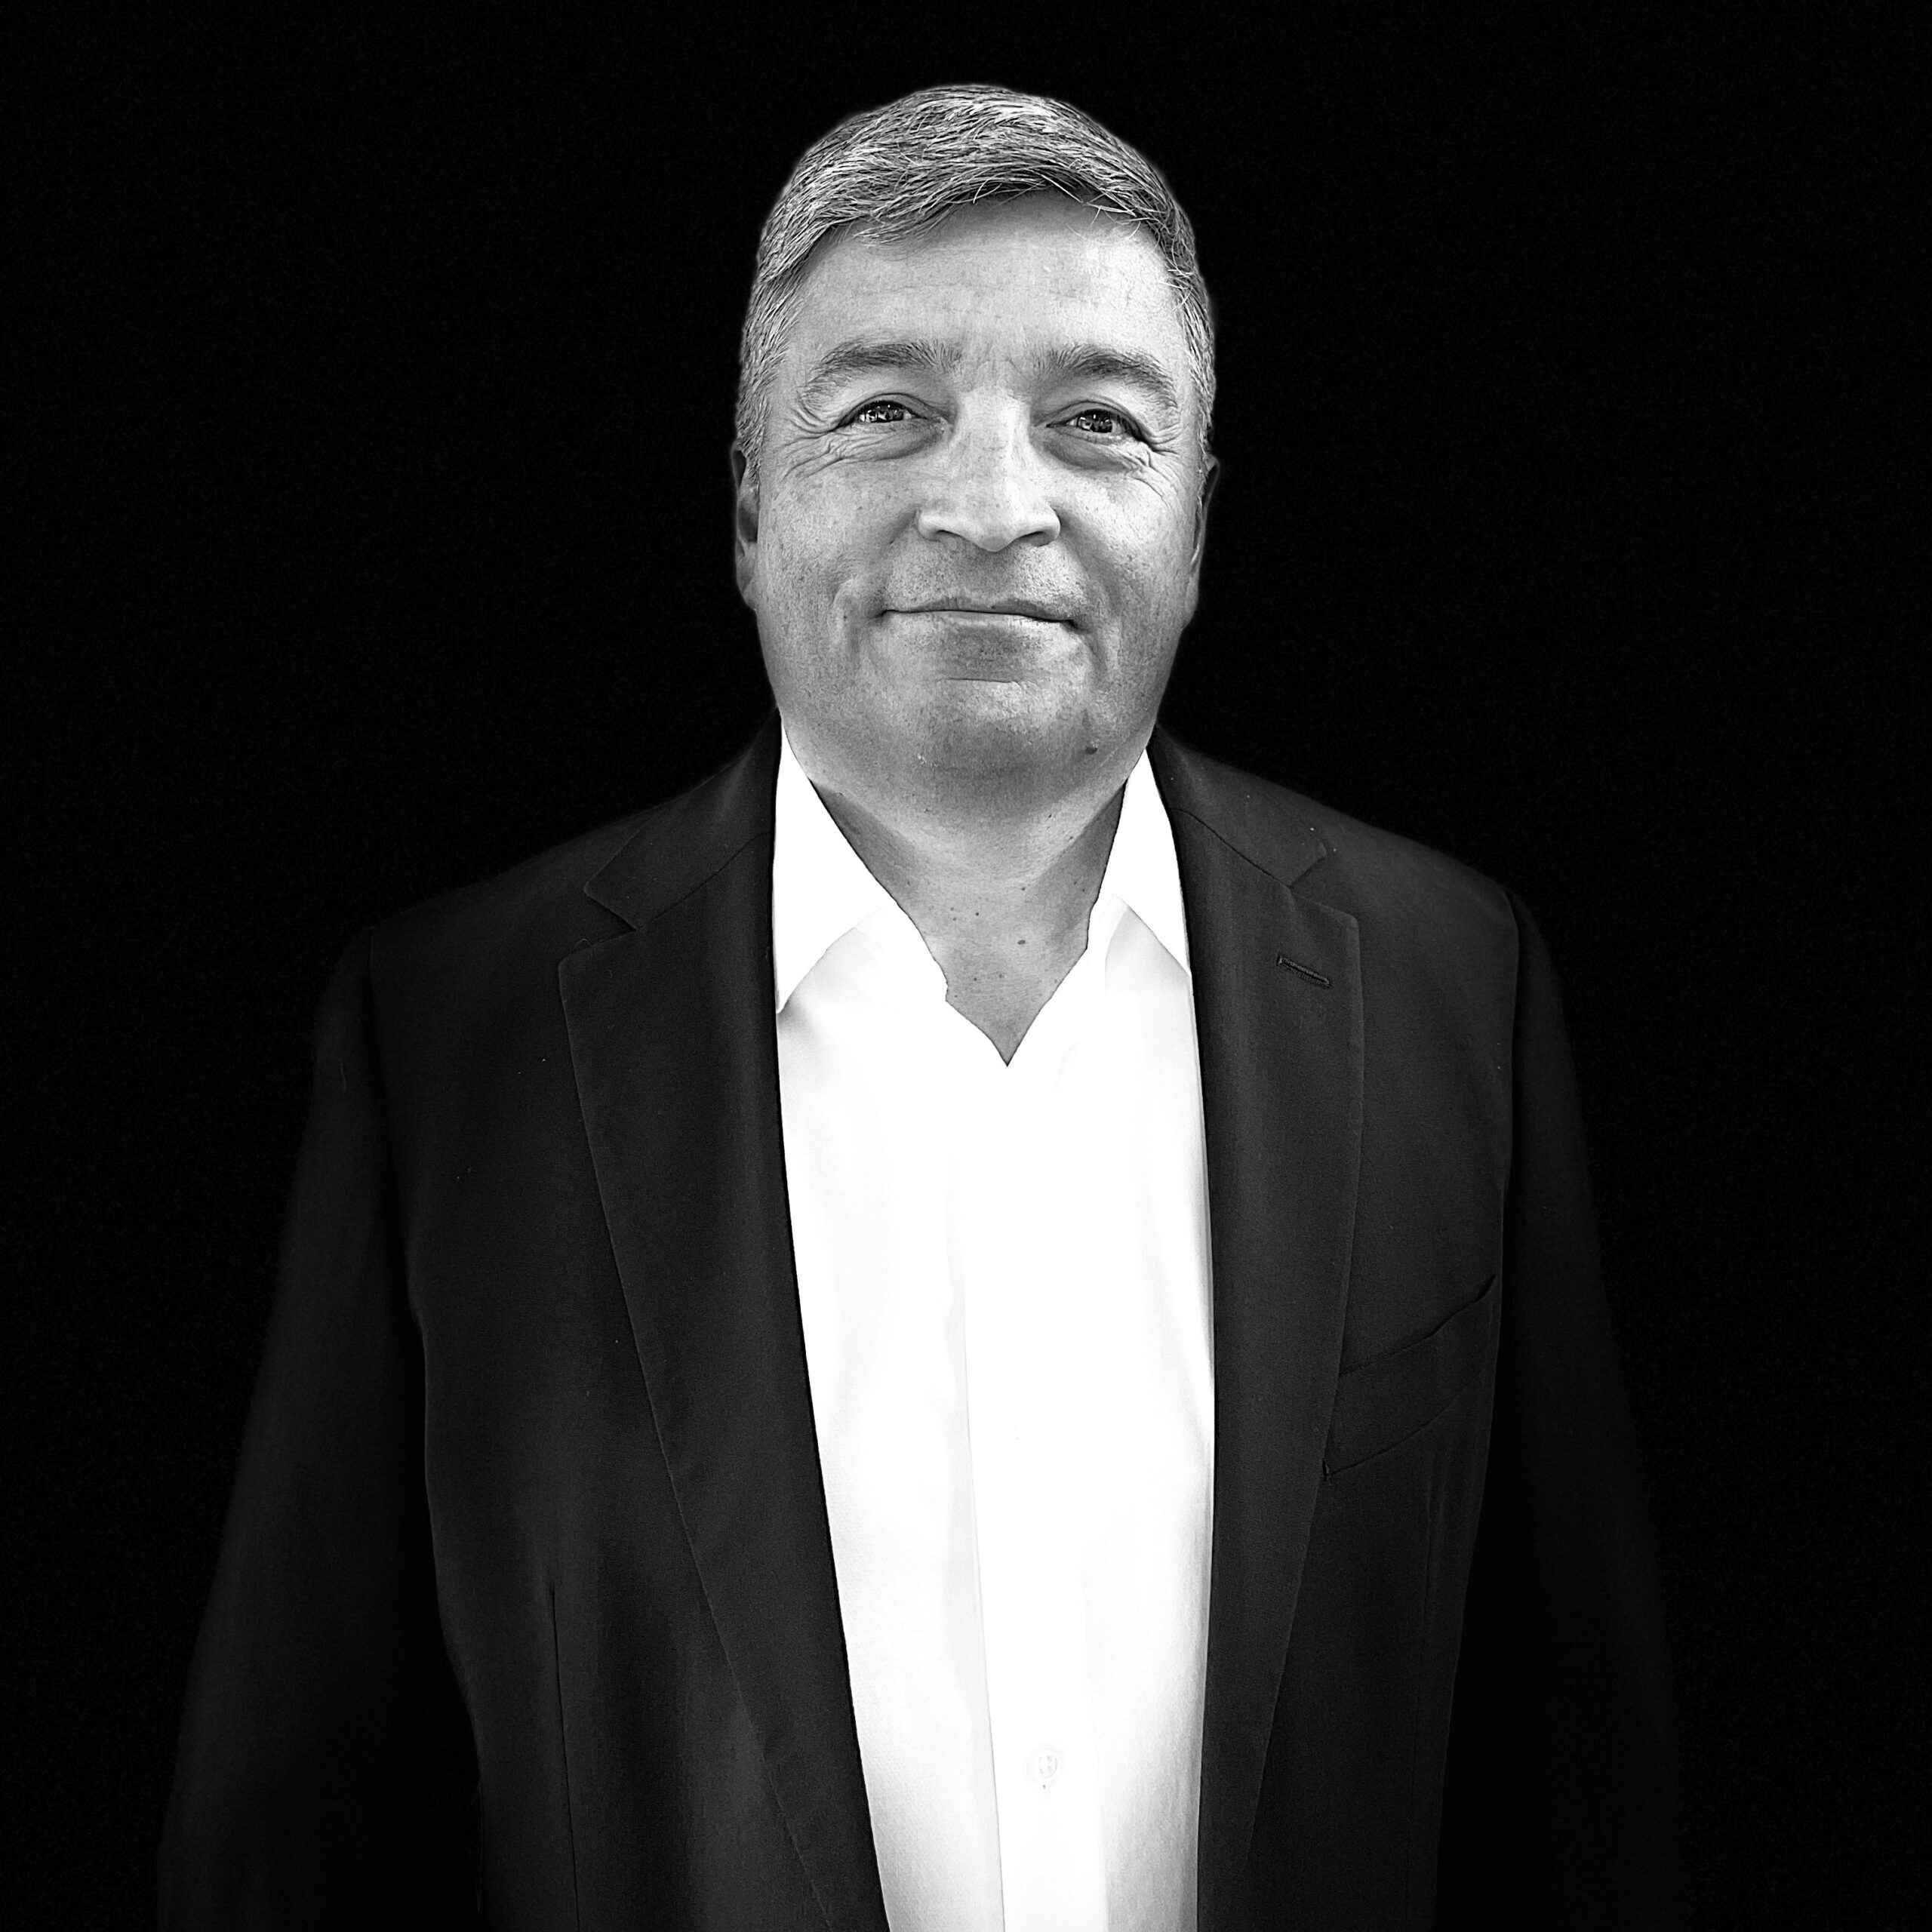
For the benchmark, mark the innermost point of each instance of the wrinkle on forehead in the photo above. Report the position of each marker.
(992, 252)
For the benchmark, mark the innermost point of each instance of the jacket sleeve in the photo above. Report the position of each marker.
(325, 1774)
(1561, 1806)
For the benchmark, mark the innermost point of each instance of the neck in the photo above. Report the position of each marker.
(1000, 878)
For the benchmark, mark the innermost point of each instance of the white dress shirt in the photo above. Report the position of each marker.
(1003, 1276)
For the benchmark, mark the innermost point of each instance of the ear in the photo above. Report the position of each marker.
(744, 524)
(1211, 475)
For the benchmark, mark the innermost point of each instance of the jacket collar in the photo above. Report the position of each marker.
(677, 848)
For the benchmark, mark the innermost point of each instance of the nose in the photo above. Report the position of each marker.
(989, 485)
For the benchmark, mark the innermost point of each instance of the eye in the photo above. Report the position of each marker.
(1108, 424)
(882, 411)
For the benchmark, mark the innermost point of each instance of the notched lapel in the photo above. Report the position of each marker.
(1281, 1080)
(675, 1049)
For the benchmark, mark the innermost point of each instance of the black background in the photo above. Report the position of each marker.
(380, 509)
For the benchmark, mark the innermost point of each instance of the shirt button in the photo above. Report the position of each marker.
(1046, 1766)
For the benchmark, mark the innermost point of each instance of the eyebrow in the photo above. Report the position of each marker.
(1117, 366)
(866, 356)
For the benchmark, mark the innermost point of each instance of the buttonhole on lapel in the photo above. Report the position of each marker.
(1307, 973)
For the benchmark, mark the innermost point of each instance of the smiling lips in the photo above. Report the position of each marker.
(1003, 607)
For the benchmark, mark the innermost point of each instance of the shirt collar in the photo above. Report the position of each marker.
(821, 888)
(1143, 870)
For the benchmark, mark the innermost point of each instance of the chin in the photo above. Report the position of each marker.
(984, 730)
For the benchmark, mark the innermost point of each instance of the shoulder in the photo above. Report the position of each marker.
(1406, 896)
(501, 931)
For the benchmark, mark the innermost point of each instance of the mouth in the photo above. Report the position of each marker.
(1002, 606)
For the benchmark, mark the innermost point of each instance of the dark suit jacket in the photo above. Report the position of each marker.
(527, 1607)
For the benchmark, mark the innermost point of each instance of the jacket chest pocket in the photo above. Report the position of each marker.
(1380, 1402)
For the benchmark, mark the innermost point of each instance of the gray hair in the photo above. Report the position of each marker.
(900, 170)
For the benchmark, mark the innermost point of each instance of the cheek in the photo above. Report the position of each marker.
(817, 539)
(1149, 569)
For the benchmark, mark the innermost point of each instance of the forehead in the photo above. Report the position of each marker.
(1020, 274)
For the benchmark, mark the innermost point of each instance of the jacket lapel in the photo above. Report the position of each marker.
(1278, 998)
(675, 1049)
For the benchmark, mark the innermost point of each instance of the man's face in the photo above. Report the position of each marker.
(976, 535)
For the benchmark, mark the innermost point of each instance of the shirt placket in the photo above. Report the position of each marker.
(1047, 1787)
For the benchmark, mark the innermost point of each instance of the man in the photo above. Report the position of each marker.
(963, 1326)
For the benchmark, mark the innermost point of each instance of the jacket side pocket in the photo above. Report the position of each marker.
(1380, 1402)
